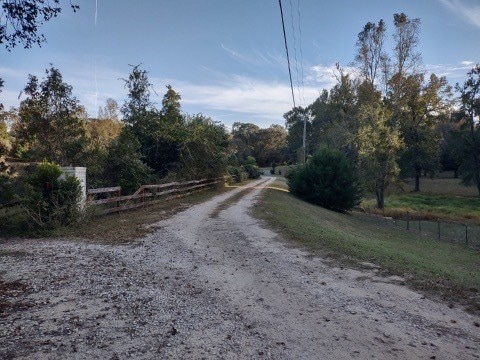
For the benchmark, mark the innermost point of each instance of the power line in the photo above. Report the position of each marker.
(295, 50)
(301, 51)
(286, 50)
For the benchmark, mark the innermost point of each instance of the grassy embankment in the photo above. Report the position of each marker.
(450, 269)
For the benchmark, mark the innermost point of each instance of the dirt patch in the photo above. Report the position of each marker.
(219, 287)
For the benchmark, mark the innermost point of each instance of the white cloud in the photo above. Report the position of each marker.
(451, 71)
(470, 12)
(226, 97)
(247, 97)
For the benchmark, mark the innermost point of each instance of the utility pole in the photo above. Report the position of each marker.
(304, 147)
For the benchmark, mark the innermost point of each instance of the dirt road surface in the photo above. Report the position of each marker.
(214, 283)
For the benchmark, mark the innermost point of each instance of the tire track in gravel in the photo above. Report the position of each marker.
(305, 309)
(217, 287)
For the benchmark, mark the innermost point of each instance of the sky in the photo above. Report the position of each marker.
(227, 58)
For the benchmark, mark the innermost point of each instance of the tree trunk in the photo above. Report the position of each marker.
(417, 181)
(455, 174)
(379, 193)
(476, 160)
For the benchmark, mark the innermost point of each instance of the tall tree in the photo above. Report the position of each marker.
(52, 121)
(244, 140)
(271, 145)
(469, 116)
(5, 138)
(406, 38)
(101, 133)
(370, 51)
(124, 166)
(379, 146)
(171, 108)
(109, 111)
(204, 149)
(420, 107)
(138, 107)
(294, 122)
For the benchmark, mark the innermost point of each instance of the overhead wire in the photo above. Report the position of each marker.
(295, 50)
(286, 50)
(95, 71)
(301, 51)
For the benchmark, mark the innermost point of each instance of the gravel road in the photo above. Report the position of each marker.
(214, 283)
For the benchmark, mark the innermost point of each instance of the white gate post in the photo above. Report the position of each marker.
(81, 174)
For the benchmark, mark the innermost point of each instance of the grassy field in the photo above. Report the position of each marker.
(450, 269)
(441, 198)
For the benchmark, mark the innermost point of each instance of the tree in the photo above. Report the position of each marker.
(101, 133)
(370, 52)
(406, 38)
(379, 146)
(294, 122)
(204, 149)
(271, 145)
(422, 106)
(244, 140)
(20, 20)
(52, 121)
(124, 166)
(171, 108)
(137, 107)
(5, 138)
(109, 111)
(335, 115)
(469, 117)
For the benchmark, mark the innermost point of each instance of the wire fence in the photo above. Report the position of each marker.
(465, 234)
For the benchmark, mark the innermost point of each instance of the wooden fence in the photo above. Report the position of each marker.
(109, 199)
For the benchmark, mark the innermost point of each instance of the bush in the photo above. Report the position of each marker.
(250, 161)
(253, 171)
(49, 201)
(327, 179)
(237, 174)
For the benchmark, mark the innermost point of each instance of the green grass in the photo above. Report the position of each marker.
(430, 206)
(442, 198)
(428, 264)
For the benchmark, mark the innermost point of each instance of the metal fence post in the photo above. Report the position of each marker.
(438, 225)
(408, 220)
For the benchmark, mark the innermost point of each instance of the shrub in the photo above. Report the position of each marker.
(327, 179)
(250, 160)
(252, 170)
(237, 174)
(49, 201)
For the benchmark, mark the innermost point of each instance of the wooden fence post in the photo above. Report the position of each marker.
(466, 234)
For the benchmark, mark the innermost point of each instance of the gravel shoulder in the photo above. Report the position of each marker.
(212, 282)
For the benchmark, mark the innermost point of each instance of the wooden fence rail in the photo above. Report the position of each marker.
(111, 201)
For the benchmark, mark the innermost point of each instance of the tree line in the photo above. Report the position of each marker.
(390, 118)
(129, 145)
